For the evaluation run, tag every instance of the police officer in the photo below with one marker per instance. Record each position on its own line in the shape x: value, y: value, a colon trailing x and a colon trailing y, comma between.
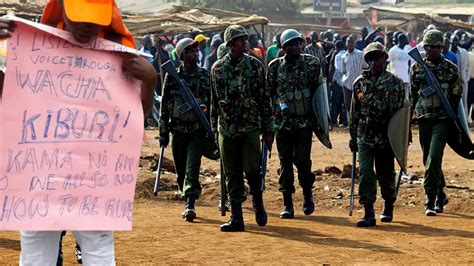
x: 293, y: 79
x: 378, y: 94
x: 188, y: 132
x: 432, y: 119
x: 241, y: 103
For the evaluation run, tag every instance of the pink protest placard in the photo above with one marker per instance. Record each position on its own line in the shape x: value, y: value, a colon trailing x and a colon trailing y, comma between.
x: 71, y: 132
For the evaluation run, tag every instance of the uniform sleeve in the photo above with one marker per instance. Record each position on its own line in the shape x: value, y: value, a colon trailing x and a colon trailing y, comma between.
x: 214, y: 110
x: 266, y: 110
x: 414, y: 88
x: 315, y: 74
x: 354, y: 116
x: 165, y: 102
x: 455, y: 90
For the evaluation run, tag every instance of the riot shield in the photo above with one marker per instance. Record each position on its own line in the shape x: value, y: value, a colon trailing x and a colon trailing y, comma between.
x: 398, y: 131
x: 461, y: 142
x: 321, y: 112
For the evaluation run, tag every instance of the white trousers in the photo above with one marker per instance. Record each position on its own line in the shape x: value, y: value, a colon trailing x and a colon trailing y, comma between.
x: 42, y: 247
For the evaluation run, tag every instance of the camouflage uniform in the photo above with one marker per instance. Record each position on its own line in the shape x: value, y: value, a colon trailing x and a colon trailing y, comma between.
x: 242, y: 110
x: 433, y: 120
x: 373, y: 106
x: 294, y: 85
x: 188, y: 133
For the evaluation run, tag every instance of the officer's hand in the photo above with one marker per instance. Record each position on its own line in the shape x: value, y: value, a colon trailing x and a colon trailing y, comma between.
x: 353, y: 145
x: 7, y: 27
x: 268, y: 139
x: 164, y: 139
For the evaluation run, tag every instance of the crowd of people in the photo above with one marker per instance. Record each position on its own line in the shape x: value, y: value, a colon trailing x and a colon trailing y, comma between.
x: 340, y: 57
x: 253, y: 95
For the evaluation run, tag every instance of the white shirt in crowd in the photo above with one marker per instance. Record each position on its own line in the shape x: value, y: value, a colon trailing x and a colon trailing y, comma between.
x: 352, y: 65
x: 400, y: 62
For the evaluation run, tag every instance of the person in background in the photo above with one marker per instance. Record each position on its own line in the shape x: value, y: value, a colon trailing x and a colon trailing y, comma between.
x: 147, y: 47
x: 338, y: 109
x: 202, y: 40
x: 272, y: 51
x: 463, y: 66
x: 360, y: 44
x: 315, y: 48
x: 400, y: 60
x: 352, y: 65
x: 212, y: 57
x: 253, y: 49
x: 448, y: 55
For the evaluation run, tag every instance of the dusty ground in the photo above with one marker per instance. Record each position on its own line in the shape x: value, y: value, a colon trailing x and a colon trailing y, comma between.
x: 329, y: 236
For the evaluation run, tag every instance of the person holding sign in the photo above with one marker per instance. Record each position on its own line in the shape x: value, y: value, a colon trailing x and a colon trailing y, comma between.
x: 189, y: 135
x: 85, y: 20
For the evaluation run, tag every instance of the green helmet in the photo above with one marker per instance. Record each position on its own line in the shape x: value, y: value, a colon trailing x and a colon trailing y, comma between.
x: 222, y: 50
x: 433, y: 37
x: 374, y: 47
x: 234, y: 31
x: 288, y: 35
x: 183, y: 44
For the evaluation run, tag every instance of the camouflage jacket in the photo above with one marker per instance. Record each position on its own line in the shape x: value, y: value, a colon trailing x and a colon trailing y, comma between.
x: 430, y: 107
x: 294, y: 84
x: 372, y: 107
x: 175, y: 119
x: 240, y: 99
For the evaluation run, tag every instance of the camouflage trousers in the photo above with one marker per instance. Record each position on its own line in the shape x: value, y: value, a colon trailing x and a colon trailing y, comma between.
x: 433, y: 138
x: 241, y: 154
x: 383, y: 161
x: 294, y: 147
x: 187, y: 152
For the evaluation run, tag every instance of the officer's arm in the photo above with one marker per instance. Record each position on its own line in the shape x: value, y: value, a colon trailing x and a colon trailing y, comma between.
x: 414, y: 88
x: 266, y: 103
x: 354, y: 113
x: 214, y: 100
x: 165, y: 101
x: 455, y: 88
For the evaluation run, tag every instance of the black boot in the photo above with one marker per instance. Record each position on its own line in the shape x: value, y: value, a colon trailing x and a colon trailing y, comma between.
x: 236, y: 222
x: 259, y: 209
x: 288, y: 211
x: 441, y: 200
x: 387, y: 213
x: 369, y: 217
x: 189, y: 213
x: 308, y: 202
x: 430, y: 205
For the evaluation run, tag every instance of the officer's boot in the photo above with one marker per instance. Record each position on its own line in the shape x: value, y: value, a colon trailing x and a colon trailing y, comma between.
x: 387, y: 213
x: 236, y: 222
x: 288, y: 211
x: 430, y: 205
x: 189, y: 213
x: 259, y: 209
x: 369, y: 217
x: 441, y: 200
x: 308, y: 201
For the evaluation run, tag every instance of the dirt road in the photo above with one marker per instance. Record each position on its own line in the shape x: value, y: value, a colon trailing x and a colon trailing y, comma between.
x: 329, y: 236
